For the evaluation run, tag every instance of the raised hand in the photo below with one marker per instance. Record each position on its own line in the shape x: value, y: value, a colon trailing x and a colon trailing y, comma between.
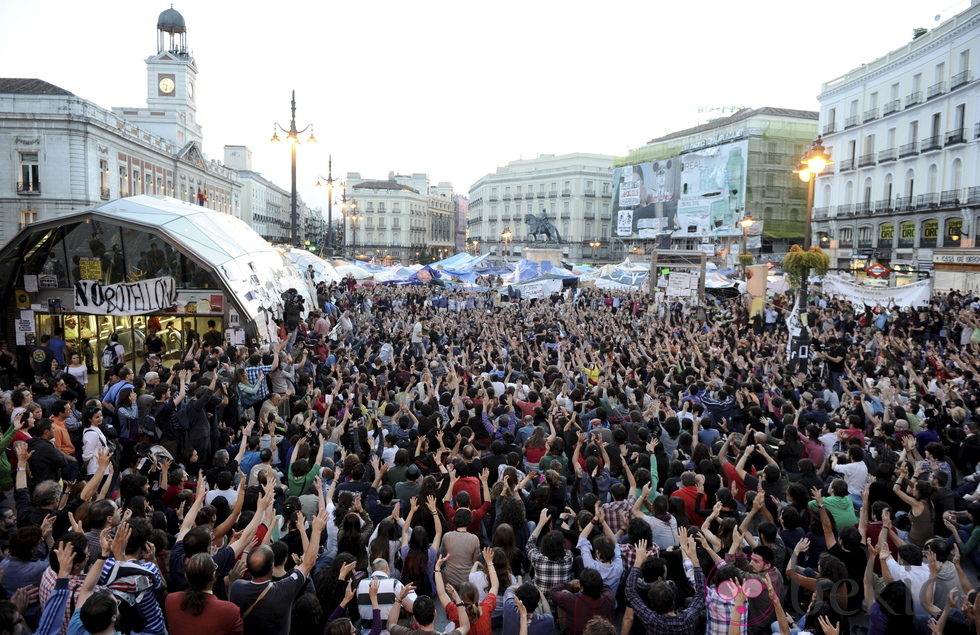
x: 488, y: 556
x: 66, y: 559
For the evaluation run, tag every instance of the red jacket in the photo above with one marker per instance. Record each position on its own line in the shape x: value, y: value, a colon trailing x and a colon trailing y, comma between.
x: 689, y: 494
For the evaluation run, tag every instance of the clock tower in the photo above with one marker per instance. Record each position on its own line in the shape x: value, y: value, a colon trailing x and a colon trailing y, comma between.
x: 171, y: 75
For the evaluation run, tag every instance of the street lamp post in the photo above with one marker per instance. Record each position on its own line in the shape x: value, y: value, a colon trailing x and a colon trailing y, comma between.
x: 354, y: 218
x: 328, y: 183
x: 812, y: 163
x: 595, y: 244
x: 505, y: 238
x: 746, y: 223
x: 292, y: 134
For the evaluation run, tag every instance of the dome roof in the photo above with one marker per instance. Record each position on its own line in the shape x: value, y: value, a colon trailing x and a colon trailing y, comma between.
x: 171, y: 21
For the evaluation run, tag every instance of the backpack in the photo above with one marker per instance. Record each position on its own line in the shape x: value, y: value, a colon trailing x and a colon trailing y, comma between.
x: 109, y: 355
x: 181, y: 422
x: 147, y: 426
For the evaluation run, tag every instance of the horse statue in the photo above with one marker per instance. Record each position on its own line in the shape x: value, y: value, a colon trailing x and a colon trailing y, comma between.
x: 541, y: 226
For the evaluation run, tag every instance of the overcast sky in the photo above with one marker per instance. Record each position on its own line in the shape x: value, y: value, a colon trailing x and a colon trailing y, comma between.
x: 456, y: 88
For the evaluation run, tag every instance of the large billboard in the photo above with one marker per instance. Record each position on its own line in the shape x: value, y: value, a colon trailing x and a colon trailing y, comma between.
x: 644, y: 201
x: 712, y: 190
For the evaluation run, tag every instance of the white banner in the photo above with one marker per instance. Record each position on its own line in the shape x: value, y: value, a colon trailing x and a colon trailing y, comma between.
x: 911, y: 295
x: 539, y: 289
x: 127, y: 298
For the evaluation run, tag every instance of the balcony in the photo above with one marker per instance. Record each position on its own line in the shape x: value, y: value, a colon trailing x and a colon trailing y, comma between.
x: 936, y: 90
x: 541, y: 194
x: 862, y: 209
x: 29, y: 189
x: 590, y: 193
x: 864, y: 243
x: 506, y: 197
x: 887, y: 155
x: 870, y: 115
x: 529, y: 196
x: 845, y: 211
x: 956, y: 136
x: 553, y: 194
x: 847, y: 164
x: 903, y: 203
x: 104, y: 193
x: 925, y: 201
x: 866, y: 159
x: 493, y: 199
x: 830, y: 128
x: 949, y: 198
x: 893, y: 106
x: 820, y: 213
x: 932, y: 143
x: 973, y: 195
x: 909, y: 149
x: 913, y: 99
x: 959, y: 79
x: 851, y: 121
x: 566, y: 193
x: 606, y: 194
x: 883, y: 207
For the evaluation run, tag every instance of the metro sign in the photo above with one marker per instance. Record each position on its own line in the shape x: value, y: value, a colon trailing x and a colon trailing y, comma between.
x: 877, y: 270
x: 770, y: 264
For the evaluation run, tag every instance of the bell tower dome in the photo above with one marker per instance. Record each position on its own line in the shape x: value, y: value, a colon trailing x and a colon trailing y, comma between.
x: 171, y: 33
x: 171, y: 75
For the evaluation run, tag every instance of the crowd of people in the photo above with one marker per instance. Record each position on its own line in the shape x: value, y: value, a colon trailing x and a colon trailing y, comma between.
x: 409, y: 460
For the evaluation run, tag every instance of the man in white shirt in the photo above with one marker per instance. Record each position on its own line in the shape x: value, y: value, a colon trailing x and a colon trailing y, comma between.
x: 388, y: 591
x: 855, y: 473
x: 911, y: 571
x: 417, y: 340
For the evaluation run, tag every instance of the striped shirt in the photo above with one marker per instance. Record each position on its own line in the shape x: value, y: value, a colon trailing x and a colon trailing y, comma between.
x: 388, y: 591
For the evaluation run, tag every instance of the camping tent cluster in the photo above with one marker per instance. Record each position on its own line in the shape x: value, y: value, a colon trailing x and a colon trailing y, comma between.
x: 527, y: 278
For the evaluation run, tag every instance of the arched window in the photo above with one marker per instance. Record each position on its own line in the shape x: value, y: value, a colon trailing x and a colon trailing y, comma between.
x: 933, y: 174
x: 956, y: 176
x: 846, y: 237
x: 864, y: 237
x: 886, y: 235
x: 909, y: 185
x: 953, y: 234
x: 906, y: 234
x: 930, y: 233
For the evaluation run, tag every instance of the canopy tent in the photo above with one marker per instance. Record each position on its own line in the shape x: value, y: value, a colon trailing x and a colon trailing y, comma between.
x: 354, y: 271
x: 526, y: 270
x: 140, y: 238
x: 323, y: 271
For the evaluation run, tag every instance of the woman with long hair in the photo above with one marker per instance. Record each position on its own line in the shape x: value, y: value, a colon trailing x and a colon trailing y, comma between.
x: 197, y: 610
x: 467, y: 597
x: 384, y: 544
x: 353, y: 534
x: 505, y: 539
x: 92, y: 438
x: 534, y: 450
x: 480, y: 578
x: 248, y: 393
x: 418, y: 556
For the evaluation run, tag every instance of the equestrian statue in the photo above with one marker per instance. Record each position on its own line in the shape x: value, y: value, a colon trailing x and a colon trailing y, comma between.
x: 540, y: 226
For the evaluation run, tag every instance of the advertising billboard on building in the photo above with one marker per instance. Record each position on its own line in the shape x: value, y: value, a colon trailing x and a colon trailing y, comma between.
x: 644, y: 201
x: 712, y: 190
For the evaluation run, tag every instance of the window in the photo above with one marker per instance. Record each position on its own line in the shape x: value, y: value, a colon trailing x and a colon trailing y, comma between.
x: 854, y: 108
x: 831, y: 117
x: 906, y: 234
x: 964, y: 61
x: 27, y: 217
x: 930, y: 233
x: 874, y: 101
x: 891, y: 139
x: 864, y: 236
x: 30, y: 174
x: 590, y: 186
x: 605, y: 189
x: 917, y: 82
x: 396, y: 207
x: 940, y: 71
x: 370, y: 206
x: 913, y: 132
x: 846, y: 237
x: 954, y: 232
x: 104, y: 177
x: 894, y: 91
x: 869, y: 144
x: 381, y: 206
x: 517, y: 189
x: 123, y: 182
x: 886, y: 234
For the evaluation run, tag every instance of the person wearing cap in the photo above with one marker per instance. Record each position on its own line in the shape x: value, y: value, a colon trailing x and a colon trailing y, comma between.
x: 406, y: 490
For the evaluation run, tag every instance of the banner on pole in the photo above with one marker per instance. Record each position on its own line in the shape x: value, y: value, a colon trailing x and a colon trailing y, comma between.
x: 127, y: 298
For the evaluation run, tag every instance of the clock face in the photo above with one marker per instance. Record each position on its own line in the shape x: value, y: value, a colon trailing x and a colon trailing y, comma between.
x: 190, y: 90
x: 166, y: 85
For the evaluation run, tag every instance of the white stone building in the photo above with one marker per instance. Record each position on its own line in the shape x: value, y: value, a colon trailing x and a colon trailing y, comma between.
x: 60, y: 152
x: 403, y: 217
x: 903, y: 134
x: 573, y: 191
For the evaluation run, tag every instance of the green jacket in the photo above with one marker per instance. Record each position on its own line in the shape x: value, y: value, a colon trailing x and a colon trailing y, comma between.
x: 6, y: 473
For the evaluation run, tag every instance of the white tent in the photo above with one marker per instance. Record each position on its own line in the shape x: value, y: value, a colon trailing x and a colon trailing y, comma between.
x: 323, y: 271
